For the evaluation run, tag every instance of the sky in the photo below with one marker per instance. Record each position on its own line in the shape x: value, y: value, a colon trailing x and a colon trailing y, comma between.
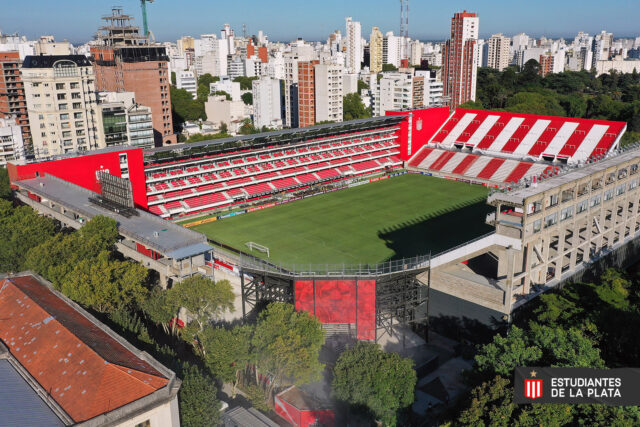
x: 286, y: 20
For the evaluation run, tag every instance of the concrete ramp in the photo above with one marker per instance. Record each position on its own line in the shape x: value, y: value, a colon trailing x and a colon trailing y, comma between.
x: 474, y: 248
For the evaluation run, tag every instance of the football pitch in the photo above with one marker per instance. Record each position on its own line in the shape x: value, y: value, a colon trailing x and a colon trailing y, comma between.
x: 399, y: 217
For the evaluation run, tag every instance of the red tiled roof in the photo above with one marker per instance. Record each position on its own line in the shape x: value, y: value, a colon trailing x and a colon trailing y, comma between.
x: 83, y: 368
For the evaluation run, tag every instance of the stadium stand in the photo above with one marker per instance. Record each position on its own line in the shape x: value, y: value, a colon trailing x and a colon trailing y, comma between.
x: 192, y: 185
x: 527, y: 136
x: 480, y: 167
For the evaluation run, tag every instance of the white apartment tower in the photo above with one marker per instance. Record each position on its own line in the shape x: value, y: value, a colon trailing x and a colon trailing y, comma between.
x: 266, y: 103
x: 61, y: 95
x: 328, y: 91
x: 498, y: 56
x: 354, y: 46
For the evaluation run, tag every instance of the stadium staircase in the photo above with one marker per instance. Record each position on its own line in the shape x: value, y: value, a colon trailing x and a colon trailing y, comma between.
x: 190, y: 186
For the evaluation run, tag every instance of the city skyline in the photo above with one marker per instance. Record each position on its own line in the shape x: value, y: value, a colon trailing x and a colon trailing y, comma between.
x: 286, y: 20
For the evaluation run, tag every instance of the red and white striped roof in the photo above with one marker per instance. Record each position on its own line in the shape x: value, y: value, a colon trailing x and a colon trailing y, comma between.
x: 529, y: 135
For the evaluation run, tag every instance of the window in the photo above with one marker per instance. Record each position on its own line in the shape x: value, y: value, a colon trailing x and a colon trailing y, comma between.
x: 66, y: 134
x: 62, y: 96
x: 64, y: 125
x: 78, y: 124
x: 537, y: 225
x: 77, y: 105
x: 581, y: 207
x: 35, y: 84
x: 43, y: 134
x: 80, y: 132
x: 144, y: 424
x: 62, y: 106
x: 74, y: 85
x: 551, y: 220
x: 75, y: 95
x: 620, y: 189
x: 633, y: 184
x: 81, y: 141
x: 67, y: 143
x: 608, y: 195
x: 41, y: 125
x: 41, y: 116
x: 566, y: 213
x: 77, y: 115
x: 553, y: 200
x: 595, y: 200
x: 36, y: 95
x: 64, y: 116
x: 59, y: 86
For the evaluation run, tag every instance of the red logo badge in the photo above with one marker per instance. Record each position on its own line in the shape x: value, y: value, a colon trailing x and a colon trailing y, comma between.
x: 532, y: 388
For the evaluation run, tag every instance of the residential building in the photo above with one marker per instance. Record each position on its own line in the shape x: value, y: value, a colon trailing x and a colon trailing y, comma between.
x: 186, y: 80
x: 307, y: 93
x: 354, y: 45
x: 122, y: 121
x: 433, y: 88
x: 71, y: 369
x: 392, y: 49
x: 60, y: 92
x: 126, y: 61
x: 394, y: 91
x: 226, y: 84
x: 498, y: 56
x: 375, y: 50
x: 460, y: 59
x: 12, y: 98
x: 220, y: 110
x: 415, y: 53
x: 11, y: 142
x: 329, y: 93
x: 617, y: 64
x: 47, y: 46
x: 267, y: 111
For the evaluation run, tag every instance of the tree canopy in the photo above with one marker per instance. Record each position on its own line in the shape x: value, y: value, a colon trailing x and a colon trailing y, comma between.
x: 247, y: 98
x: 198, y: 403
x: 246, y: 83
x: 353, y: 108
x: 382, y: 382
x: 184, y: 107
x: 286, y: 345
x: 5, y: 186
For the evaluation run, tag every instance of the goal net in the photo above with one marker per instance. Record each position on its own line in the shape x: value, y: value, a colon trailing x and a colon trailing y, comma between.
x: 258, y: 247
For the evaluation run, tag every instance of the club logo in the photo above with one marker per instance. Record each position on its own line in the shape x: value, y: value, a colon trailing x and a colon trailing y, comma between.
x: 419, y: 124
x: 533, y: 387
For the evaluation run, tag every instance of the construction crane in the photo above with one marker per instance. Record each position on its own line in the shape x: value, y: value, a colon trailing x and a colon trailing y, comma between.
x: 145, y: 26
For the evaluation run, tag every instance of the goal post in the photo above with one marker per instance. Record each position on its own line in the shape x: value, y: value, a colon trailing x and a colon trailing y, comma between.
x: 259, y: 247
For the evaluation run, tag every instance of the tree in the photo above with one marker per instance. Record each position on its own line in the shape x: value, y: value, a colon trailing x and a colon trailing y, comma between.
x: 247, y: 98
x: 389, y: 67
x: 224, y: 128
x: 247, y: 128
x: 382, y: 382
x: 5, y: 186
x: 206, y: 79
x: 286, y: 346
x: 353, y: 108
x: 105, y: 284
x: 203, y: 298
x: 362, y: 85
x: 184, y: 107
x: 21, y: 229
x: 227, y: 352
x: 222, y: 92
x: 199, y: 405
x: 173, y: 78
x: 246, y: 83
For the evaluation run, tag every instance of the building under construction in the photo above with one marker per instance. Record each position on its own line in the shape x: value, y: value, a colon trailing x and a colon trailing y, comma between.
x: 125, y: 60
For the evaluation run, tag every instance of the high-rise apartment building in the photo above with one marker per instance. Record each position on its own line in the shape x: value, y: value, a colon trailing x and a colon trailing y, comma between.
x: 125, y: 61
x: 186, y: 79
x: 329, y: 92
x: 460, y: 59
x: 498, y: 56
x: 11, y: 142
x: 392, y: 49
x: 267, y: 111
x: 375, y: 50
x: 394, y: 91
x: 307, y: 93
x: 61, y: 94
x: 13, y: 103
x: 354, y: 45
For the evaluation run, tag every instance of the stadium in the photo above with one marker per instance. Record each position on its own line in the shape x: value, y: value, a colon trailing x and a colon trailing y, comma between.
x: 344, y: 220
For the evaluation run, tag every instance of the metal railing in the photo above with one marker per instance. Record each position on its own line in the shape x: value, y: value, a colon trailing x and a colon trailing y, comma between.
x: 338, y: 270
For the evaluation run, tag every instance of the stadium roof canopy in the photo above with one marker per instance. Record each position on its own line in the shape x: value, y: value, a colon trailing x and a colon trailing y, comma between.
x: 165, y: 237
x: 285, y: 136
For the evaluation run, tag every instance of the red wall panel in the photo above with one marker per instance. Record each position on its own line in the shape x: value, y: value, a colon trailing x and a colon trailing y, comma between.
x: 287, y: 411
x: 82, y: 170
x: 304, y: 296
x: 366, y: 326
x: 424, y: 125
x: 336, y: 301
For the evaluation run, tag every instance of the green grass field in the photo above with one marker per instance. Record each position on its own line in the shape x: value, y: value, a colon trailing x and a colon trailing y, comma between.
x: 399, y: 217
